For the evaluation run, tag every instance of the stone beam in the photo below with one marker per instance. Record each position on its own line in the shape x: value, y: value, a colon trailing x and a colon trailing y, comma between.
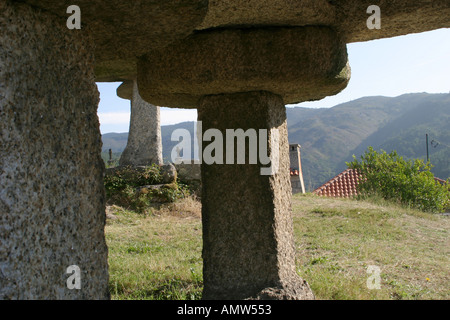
x: 52, y: 203
x: 348, y: 17
x: 144, y: 145
x: 125, y: 30
x: 397, y: 18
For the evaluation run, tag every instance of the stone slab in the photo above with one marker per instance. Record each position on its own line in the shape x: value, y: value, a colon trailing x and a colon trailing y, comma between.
x: 298, y: 64
x: 123, y: 30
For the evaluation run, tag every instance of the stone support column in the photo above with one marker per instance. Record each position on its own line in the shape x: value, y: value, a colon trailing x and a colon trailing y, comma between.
x: 297, y: 182
x: 52, y: 203
x: 248, y: 243
x: 242, y: 79
x: 144, y: 145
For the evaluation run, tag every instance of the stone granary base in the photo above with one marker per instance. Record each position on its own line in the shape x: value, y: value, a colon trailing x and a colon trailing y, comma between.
x: 238, y: 62
x: 52, y: 211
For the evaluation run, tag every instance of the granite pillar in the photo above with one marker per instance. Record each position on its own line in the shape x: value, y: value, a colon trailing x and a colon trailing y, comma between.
x: 52, y: 202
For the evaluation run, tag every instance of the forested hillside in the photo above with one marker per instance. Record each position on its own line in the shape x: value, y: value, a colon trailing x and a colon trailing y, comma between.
x: 330, y: 136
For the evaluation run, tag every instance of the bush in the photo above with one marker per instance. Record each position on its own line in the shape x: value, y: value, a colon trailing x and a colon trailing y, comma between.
x: 124, y: 186
x: 118, y: 179
x: 393, y: 178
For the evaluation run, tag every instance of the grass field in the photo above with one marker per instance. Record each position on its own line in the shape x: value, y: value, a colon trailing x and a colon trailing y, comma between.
x: 158, y: 256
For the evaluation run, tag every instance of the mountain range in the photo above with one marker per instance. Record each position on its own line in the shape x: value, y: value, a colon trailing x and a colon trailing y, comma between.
x: 331, y: 136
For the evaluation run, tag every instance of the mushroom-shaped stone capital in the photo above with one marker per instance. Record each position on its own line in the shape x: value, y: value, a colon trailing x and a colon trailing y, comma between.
x: 299, y: 64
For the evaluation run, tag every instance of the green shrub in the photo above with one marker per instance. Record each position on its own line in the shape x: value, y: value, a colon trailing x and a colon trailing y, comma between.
x: 166, y: 193
x: 123, y: 188
x: 393, y: 178
x: 128, y: 176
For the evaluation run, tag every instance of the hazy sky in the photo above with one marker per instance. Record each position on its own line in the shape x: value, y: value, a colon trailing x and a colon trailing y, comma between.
x: 387, y: 67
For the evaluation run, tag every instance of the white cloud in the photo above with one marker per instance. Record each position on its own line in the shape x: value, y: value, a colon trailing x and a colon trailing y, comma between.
x: 173, y: 116
x: 114, y: 117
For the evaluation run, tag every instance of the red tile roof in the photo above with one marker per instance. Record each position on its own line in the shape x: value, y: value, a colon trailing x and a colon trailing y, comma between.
x: 343, y: 185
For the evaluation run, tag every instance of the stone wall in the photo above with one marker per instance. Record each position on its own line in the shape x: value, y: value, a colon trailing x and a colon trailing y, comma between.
x: 52, y: 211
x: 191, y: 174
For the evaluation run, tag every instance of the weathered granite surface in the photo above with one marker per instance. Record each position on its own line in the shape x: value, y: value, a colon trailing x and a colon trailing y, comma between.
x: 144, y: 146
x: 299, y: 64
x: 52, y: 211
x: 248, y: 240
x: 348, y: 17
x: 124, y: 30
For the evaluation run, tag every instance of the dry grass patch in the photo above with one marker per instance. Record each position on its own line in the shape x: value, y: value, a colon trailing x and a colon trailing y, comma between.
x: 337, y: 239
x: 186, y: 207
